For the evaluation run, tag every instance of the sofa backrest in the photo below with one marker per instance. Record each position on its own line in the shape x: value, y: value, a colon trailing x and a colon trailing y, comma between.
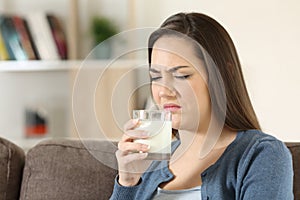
x: 12, y: 160
x: 68, y: 169
x: 295, y: 150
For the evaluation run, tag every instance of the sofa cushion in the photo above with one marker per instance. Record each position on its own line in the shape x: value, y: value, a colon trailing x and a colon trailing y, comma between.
x: 69, y: 169
x: 295, y: 150
x: 12, y: 160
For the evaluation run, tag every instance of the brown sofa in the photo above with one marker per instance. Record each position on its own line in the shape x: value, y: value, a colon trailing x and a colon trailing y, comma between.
x: 69, y: 169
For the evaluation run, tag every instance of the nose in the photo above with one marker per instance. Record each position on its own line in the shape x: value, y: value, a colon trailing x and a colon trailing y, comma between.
x: 166, y: 91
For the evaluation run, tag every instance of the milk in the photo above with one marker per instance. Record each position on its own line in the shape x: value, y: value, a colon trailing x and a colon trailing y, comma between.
x: 160, y: 137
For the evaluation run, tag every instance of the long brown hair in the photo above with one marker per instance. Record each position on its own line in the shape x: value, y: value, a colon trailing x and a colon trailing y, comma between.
x: 209, y: 34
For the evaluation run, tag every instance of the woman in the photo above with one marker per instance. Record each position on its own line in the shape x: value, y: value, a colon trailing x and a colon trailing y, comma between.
x: 220, y: 153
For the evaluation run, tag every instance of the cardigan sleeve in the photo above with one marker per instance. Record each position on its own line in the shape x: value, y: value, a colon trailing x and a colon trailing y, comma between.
x: 123, y: 192
x: 268, y: 174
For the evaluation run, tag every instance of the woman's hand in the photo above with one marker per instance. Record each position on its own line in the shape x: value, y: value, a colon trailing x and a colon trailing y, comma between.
x: 131, y: 155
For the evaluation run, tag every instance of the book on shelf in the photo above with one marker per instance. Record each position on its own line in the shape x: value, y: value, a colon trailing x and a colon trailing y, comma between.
x: 3, y: 51
x: 11, y: 39
x: 42, y: 35
x: 25, y: 37
x: 32, y: 37
x: 58, y: 35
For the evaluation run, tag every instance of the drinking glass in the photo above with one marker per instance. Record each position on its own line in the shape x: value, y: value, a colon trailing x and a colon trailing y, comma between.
x: 158, y: 123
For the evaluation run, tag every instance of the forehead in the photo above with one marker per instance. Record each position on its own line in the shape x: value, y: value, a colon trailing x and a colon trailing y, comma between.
x: 174, y: 51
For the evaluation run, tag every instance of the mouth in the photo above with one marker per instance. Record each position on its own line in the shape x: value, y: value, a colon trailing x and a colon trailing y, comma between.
x: 171, y: 107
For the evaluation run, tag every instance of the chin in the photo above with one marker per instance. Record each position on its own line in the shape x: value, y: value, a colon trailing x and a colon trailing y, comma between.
x: 175, y: 124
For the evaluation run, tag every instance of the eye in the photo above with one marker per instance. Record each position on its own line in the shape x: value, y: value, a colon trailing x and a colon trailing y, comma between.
x: 155, y: 78
x: 183, y: 77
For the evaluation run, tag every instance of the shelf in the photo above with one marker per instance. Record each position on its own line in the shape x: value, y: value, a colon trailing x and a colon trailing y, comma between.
x: 62, y: 65
x: 37, y: 65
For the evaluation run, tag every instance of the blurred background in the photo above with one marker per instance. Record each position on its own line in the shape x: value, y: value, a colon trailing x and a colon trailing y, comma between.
x: 266, y: 35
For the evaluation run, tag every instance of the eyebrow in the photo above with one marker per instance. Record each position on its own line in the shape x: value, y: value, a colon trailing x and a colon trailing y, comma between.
x: 173, y: 69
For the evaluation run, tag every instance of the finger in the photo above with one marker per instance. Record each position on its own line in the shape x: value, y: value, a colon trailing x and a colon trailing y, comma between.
x: 127, y: 147
x: 135, y: 134
x: 131, y: 124
x: 129, y: 158
x: 119, y: 154
x: 131, y: 135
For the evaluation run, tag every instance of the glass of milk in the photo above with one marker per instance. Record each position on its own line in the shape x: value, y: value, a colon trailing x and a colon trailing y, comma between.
x: 158, y: 123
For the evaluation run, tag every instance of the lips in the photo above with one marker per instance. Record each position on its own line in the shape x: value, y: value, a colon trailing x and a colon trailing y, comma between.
x: 172, y: 107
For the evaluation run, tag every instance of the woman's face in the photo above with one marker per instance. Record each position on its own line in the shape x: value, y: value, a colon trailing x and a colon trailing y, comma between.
x: 179, y: 83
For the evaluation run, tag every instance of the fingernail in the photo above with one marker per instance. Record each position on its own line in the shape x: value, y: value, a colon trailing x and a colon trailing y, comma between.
x: 145, y: 133
x: 135, y: 121
x: 146, y: 147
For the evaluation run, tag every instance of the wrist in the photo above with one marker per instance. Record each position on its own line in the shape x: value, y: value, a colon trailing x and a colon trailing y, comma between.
x: 129, y: 181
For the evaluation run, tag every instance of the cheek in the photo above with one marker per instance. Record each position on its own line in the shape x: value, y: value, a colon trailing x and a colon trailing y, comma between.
x: 187, y: 92
x: 195, y: 96
x: 154, y: 90
x: 203, y: 99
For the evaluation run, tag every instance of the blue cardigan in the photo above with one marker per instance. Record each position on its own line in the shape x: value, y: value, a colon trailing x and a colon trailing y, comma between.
x: 254, y: 166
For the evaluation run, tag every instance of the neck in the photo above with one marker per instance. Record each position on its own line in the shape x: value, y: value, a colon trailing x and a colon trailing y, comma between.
x: 202, y: 143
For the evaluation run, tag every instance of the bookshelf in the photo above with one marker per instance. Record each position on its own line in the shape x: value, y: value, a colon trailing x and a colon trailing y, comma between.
x: 46, y: 83
x: 49, y: 83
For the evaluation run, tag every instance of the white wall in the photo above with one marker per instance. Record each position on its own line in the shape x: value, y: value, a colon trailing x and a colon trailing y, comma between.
x: 266, y: 34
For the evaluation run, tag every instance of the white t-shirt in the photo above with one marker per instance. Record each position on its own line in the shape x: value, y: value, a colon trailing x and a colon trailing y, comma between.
x: 190, y: 194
